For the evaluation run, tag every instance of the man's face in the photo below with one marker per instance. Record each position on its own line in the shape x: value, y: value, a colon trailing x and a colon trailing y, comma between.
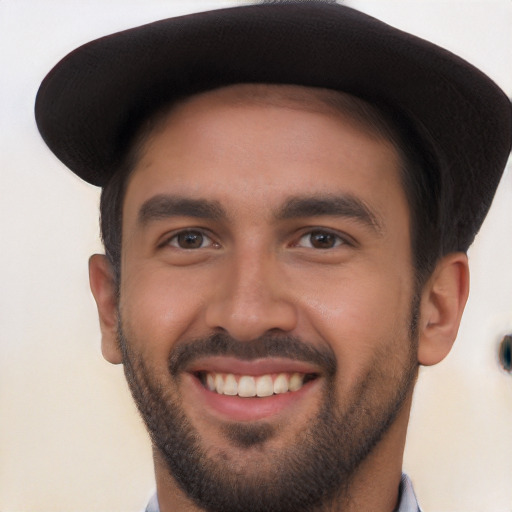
x: 266, y: 250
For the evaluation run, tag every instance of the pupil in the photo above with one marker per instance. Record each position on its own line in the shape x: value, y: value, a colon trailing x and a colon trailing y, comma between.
x: 322, y: 240
x: 190, y: 240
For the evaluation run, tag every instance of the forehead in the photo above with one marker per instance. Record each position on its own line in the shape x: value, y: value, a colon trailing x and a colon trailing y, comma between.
x: 361, y: 114
x: 275, y: 139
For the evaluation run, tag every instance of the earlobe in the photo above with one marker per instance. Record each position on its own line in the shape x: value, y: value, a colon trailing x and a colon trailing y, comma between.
x: 101, y: 279
x: 442, y: 303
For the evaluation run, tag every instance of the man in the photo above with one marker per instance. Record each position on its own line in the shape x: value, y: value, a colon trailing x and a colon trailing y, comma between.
x: 289, y: 192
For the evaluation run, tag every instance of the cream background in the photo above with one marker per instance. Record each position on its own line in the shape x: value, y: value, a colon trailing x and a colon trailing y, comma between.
x: 70, y: 439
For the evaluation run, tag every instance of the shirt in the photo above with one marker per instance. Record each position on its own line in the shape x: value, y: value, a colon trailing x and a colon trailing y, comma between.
x: 406, y: 496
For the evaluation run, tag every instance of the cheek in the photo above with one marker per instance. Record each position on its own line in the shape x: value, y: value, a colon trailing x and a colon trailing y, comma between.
x: 359, y: 315
x: 159, y: 308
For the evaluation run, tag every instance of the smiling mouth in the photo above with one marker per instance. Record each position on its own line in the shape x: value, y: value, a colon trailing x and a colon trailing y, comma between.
x: 249, y: 386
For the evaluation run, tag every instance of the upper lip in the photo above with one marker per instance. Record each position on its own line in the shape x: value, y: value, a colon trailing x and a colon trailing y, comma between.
x: 263, y: 366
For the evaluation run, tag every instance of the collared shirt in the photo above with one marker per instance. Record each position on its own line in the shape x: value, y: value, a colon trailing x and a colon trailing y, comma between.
x: 152, y: 505
x: 408, y: 501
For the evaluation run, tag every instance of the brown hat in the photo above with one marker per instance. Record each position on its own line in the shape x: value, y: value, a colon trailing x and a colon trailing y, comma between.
x: 91, y: 103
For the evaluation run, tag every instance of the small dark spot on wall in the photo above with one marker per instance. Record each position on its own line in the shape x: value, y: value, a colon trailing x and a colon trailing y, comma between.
x: 505, y: 353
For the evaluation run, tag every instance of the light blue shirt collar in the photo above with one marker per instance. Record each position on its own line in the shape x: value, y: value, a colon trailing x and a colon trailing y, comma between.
x: 408, y: 501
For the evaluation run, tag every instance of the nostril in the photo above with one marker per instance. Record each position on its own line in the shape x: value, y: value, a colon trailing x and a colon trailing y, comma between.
x: 250, y: 316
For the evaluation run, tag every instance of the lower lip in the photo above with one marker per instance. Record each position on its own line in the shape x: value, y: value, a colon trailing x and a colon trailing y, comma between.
x: 235, y: 408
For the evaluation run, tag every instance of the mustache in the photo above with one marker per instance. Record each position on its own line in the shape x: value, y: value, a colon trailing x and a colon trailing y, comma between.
x: 268, y: 345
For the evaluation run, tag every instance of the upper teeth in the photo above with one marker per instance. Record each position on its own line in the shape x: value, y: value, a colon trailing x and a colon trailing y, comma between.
x: 248, y: 386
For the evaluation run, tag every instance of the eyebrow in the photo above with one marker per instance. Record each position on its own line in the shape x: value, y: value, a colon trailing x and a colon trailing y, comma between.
x: 345, y: 205
x: 164, y: 206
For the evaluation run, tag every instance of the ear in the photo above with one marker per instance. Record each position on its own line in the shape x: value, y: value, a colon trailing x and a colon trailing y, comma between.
x: 101, y: 280
x: 442, y: 303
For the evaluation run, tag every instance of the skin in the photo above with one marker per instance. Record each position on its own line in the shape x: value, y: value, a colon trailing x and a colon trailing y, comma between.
x: 258, y: 273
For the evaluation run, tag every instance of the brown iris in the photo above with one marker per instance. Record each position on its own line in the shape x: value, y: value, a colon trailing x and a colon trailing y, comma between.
x: 190, y: 239
x: 322, y: 240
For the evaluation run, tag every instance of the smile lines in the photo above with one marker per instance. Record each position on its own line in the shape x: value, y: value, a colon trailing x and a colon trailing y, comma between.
x: 248, y: 386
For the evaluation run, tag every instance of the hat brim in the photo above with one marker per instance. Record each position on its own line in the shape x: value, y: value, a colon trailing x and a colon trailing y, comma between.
x: 90, y: 104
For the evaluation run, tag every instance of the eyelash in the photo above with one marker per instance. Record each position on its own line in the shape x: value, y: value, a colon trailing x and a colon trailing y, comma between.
x: 339, y: 240
x: 173, y: 240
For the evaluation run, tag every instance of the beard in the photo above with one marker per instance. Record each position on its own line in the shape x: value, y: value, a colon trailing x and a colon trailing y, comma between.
x: 316, y: 468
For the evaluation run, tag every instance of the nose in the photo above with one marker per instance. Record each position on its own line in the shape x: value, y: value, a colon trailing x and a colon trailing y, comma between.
x: 251, y: 299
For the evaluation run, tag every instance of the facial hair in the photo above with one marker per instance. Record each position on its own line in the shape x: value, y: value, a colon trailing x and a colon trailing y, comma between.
x: 314, y: 471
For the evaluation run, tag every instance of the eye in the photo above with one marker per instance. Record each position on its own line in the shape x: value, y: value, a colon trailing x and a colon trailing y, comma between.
x: 319, y: 239
x: 191, y: 239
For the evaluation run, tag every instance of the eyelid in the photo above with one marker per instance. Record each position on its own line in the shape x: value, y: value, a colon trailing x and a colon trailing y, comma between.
x: 173, y: 235
x: 342, y: 238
